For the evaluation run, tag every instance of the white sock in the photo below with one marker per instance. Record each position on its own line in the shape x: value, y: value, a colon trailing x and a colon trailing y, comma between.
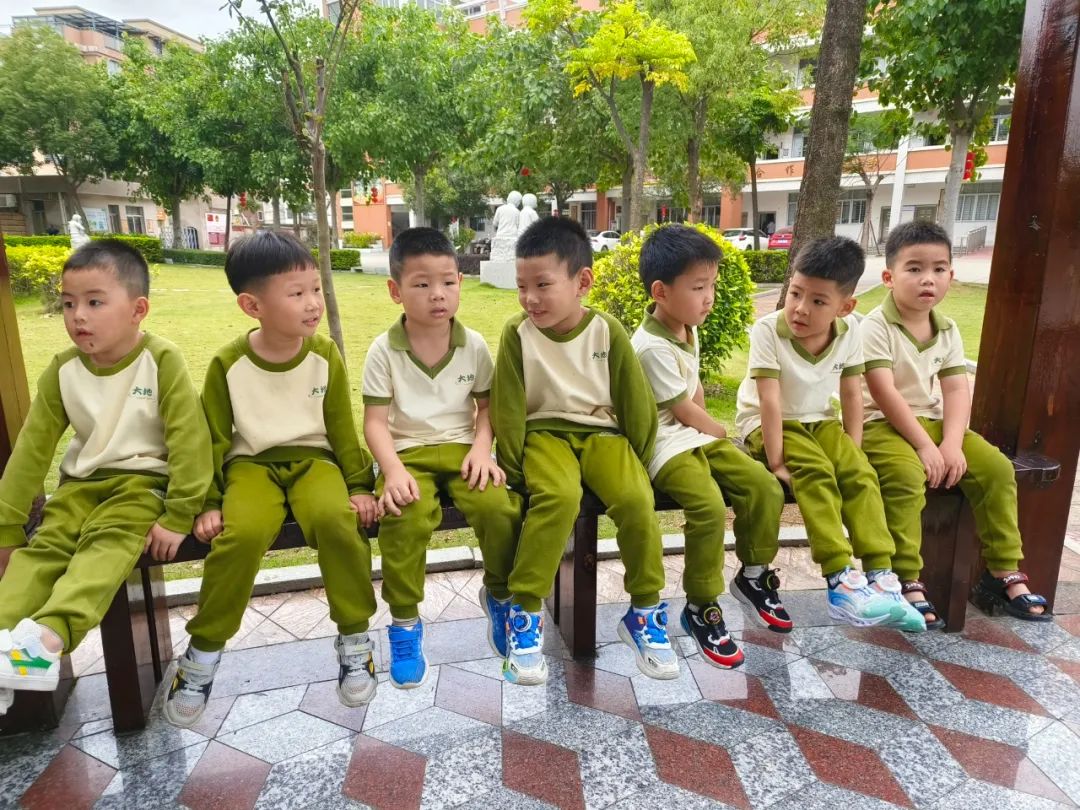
x: 203, y: 657
x: 406, y: 622
x: 649, y: 609
x: 753, y: 571
x: 354, y: 638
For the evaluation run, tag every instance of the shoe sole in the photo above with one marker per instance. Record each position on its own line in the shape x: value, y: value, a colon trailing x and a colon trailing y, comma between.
x: 24, y: 683
x: 707, y: 657
x: 357, y: 702
x: 742, y: 598
x: 418, y: 684
x: 857, y: 621
x: 183, y: 722
x: 491, y: 622
x: 628, y: 640
x: 527, y: 679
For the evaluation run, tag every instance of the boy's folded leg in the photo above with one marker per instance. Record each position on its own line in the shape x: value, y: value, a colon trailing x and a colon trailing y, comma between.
x: 25, y: 661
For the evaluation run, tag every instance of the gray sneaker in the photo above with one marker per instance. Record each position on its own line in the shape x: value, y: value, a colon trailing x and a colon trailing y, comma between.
x: 190, y: 691
x: 356, y: 674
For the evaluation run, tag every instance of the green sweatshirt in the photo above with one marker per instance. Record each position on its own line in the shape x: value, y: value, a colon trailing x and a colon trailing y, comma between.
x: 140, y: 415
x: 260, y: 411
x: 585, y: 381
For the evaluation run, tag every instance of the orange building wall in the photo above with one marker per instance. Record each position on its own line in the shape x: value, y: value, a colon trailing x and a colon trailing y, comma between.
x: 374, y: 218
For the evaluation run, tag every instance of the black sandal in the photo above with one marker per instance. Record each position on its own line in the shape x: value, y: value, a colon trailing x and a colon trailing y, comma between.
x: 924, y: 606
x: 990, y: 597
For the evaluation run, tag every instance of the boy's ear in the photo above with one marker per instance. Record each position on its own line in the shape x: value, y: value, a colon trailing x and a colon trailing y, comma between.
x: 658, y: 290
x: 248, y: 304
x: 887, y: 277
x: 847, y: 307
x: 584, y: 281
x: 142, y: 309
x: 395, y: 290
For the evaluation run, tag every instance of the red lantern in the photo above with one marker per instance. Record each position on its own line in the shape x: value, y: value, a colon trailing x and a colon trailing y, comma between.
x: 374, y: 194
x: 525, y: 171
x: 243, y: 199
x: 969, y: 166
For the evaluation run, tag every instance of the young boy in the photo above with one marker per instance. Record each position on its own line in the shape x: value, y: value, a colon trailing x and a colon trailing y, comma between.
x: 426, y: 386
x: 915, y: 437
x: 132, y: 480
x: 799, y: 356
x: 283, y: 436
x: 693, y: 461
x: 571, y: 406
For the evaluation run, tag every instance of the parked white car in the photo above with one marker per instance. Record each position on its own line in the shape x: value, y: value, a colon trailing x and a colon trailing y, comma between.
x: 603, y: 241
x: 743, y: 238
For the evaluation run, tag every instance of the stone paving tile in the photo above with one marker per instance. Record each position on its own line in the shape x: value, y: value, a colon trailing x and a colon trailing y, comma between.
x: 152, y: 783
x: 464, y: 772
x: 284, y: 737
x: 1057, y: 752
x: 617, y: 767
x: 302, y: 780
x: 127, y: 751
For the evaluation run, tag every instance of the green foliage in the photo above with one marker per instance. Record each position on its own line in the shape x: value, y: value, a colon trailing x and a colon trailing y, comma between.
x: 36, y: 271
x: 59, y: 240
x: 451, y: 189
x: 463, y: 238
x: 360, y: 240
x: 766, y: 266
x: 149, y: 246
x: 618, y: 290
x: 341, y: 260
x: 215, y: 258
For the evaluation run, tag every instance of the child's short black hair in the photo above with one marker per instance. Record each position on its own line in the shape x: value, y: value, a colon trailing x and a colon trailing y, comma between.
x: 418, y: 242
x: 254, y: 258
x: 835, y: 258
x: 671, y: 250
x: 915, y: 233
x: 120, y: 257
x: 559, y: 235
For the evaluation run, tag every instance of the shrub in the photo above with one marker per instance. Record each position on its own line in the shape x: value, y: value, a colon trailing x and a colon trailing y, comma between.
x: 462, y: 239
x: 618, y: 291
x: 149, y: 246
x: 60, y: 240
x: 37, y: 270
x: 767, y: 266
x: 340, y: 260
x: 360, y: 240
x: 469, y: 263
x: 215, y: 258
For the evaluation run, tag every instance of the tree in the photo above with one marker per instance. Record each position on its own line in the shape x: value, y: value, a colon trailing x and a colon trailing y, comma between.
x: 838, y: 64
x: 56, y: 109
x: 453, y: 191
x: 626, y: 45
x: 871, y: 154
x: 955, y: 57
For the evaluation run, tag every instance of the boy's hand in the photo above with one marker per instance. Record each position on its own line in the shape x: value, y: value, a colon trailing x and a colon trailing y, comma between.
x: 399, y: 489
x: 162, y: 543
x: 208, y: 525
x: 783, y: 474
x: 955, y: 463
x: 5, y: 556
x: 933, y: 463
x: 478, y: 467
x: 367, y: 507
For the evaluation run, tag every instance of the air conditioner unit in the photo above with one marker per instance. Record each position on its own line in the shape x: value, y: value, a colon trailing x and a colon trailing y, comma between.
x: 9, y: 201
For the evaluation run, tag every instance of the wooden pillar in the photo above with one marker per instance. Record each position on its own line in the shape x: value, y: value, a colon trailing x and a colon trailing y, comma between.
x: 1027, y: 390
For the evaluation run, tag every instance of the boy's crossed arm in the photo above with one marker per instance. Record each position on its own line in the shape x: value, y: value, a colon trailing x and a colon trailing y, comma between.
x: 692, y: 413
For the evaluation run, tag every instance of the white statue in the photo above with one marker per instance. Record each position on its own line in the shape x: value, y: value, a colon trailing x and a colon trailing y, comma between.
x: 507, y: 216
x: 528, y: 213
x: 78, y: 232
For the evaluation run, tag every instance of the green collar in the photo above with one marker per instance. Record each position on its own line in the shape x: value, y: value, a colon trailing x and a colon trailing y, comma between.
x: 938, y: 323
x: 119, y: 365
x: 839, y: 327
x: 399, y: 341
x: 583, y: 324
x: 654, y: 326
x: 266, y: 365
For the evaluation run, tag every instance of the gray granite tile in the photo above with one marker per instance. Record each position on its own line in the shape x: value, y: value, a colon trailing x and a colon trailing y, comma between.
x: 521, y: 702
x: 930, y: 642
x: 662, y: 796
x: 821, y: 796
x: 714, y: 723
x: 809, y: 608
x: 462, y: 640
x: 393, y: 704
x: 93, y: 727
x: 1042, y: 636
x: 261, y: 669
x: 284, y: 737
x: 488, y: 667
x: 984, y: 657
x: 464, y: 772
x: 810, y: 640
x: 844, y: 719
x: 607, y: 621
x: 617, y: 767
x: 1055, y: 691
x: 974, y: 793
x: 799, y: 680
x: 314, y: 776
x: 572, y: 726
x: 924, y: 689
x: 866, y: 657
x: 617, y: 658
x: 339, y: 802
x: 1070, y: 651
x: 922, y: 765
x: 771, y: 767
x: 428, y: 732
x: 1057, y: 752
x: 761, y: 660
x: 676, y: 692
x: 247, y: 710
x: 89, y: 700
x: 503, y: 797
x: 153, y: 783
x: 128, y: 750
x: 22, y: 760
x: 992, y: 722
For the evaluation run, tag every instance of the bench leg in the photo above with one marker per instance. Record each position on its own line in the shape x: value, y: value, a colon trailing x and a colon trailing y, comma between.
x: 137, y: 647
x: 948, y: 548
x: 39, y: 711
x: 574, y: 603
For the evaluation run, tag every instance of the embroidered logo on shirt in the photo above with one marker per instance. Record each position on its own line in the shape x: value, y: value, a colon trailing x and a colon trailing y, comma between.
x: 142, y: 393
x: 599, y: 355
x: 838, y: 367
x: 318, y: 391
x: 938, y: 361
x: 466, y: 378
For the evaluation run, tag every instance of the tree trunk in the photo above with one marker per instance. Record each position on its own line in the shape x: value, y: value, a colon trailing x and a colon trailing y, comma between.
x: 420, y: 196
x: 318, y: 176
x: 627, y: 195
x: 754, y: 202
x: 641, y: 154
x: 693, y: 178
x: 961, y: 141
x: 335, y: 228
x: 275, y: 204
x: 73, y: 193
x: 838, y: 64
x: 228, y: 219
x: 177, y: 227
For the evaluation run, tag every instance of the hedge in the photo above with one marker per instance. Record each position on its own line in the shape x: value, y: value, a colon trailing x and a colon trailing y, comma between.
x: 469, y: 263
x: 767, y: 266
x: 36, y: 270
x: 149, y: 246
x: 360, y: 240
x: 60, y: 240
x: 215, y: 258
x: 344, y: 259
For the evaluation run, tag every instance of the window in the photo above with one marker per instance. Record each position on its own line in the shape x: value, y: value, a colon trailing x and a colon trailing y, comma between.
x: 473, y: 11
x: 135, y: 221
x: 478, y: 224
x: 792, y: 206
x: 588, y: 215
x: 770, y: 152
x: 710, y: 214
x: 346, y: 193
x: 805, y: 75
x: 113, y: 67
x: 852, y: 208
x: 667, y: 213
x: 1000, y: 127
x: 346, y: 212
x: 800, y: 142
x: 979, y: 202
x: 114, y: 219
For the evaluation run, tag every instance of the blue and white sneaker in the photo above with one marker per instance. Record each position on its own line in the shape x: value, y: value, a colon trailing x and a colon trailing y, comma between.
x: 408, y: 664
x: 524, y: 663
x: 888, y: 585
x: 644, y: 630
x: 497, y: 613
x: 855, y: 602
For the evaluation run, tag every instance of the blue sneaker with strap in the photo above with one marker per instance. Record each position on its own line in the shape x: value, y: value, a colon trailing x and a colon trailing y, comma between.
x: 524, y: 663
x: 644, y: 630
x: 497, y: 613
x: 408, y: 665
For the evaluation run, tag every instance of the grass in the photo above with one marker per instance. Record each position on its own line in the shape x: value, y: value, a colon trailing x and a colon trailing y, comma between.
x: 965, y: 304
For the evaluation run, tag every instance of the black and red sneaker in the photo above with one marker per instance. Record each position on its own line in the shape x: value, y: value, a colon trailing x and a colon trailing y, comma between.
x: 760, y: 593
x: 706, y: 627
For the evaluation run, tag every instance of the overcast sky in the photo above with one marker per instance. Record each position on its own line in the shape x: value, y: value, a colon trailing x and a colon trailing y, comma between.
x: 192, y: 17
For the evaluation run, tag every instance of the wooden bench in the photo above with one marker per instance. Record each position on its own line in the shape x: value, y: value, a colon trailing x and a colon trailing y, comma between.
x: 137, y: 643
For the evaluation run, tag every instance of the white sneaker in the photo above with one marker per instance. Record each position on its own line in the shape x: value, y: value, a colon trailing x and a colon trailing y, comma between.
x: 190, y: 690
x: 855, y: 602
x: 356, y: 674
x: 909, y: 619
x: 7, y: 697
x: 24, y: 661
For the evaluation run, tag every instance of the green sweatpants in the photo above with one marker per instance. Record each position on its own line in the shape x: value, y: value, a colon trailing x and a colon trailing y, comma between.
x: 835, y: 486
x: 494, y: 514
x: 555, y: 466
x: 989, y: 486
x: 700, y: 480
x: 253, y: 509
x: 91, y: 536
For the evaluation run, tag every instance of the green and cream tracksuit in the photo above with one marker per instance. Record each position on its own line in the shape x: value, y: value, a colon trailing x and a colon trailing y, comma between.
x: 699, y: 471
x: 989, y: 483
x: 283, y: 438
x: 831, y: 479
x: 432, y: 420
x: 140, y: 455
x: 569, y: 410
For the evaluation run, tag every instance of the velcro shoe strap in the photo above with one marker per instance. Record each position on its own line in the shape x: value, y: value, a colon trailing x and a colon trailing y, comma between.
x: 1013, y: 578
x: 913, y: 585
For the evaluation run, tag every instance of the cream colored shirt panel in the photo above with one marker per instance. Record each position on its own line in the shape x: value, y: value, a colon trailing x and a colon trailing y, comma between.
x: 116, y: 419
x: 570, y: 379
x: 278, y: 408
